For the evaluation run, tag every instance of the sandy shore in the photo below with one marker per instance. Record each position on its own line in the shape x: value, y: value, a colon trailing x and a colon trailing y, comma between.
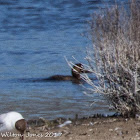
x: 104, y: 128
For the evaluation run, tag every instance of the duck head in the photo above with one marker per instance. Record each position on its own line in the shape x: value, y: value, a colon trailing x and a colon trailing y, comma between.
x: 77, y: 69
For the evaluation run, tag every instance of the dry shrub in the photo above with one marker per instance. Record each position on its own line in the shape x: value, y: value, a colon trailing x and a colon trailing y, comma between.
x: 115, y: 57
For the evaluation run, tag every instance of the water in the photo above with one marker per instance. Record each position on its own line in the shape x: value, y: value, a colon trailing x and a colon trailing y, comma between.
x: 35, y: 35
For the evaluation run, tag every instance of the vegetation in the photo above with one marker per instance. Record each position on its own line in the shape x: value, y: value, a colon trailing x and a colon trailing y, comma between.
x: 115, y: 57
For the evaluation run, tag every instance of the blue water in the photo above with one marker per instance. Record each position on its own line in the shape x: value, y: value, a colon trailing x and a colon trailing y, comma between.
x: 35, y: 35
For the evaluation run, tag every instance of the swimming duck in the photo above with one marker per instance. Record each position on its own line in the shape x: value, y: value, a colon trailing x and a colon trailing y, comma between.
x: 75, y: 71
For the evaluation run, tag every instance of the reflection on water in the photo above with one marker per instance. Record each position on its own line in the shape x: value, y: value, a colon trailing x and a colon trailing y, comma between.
x: 35, y: 36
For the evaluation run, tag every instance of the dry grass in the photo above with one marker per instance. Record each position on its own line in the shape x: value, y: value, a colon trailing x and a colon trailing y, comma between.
x: 115, y: 57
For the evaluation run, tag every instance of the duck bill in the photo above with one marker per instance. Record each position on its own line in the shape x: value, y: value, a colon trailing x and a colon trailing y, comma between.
x: 86, y: 71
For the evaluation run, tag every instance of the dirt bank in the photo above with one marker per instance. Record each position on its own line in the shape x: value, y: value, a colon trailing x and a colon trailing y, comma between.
x: 102, y: 128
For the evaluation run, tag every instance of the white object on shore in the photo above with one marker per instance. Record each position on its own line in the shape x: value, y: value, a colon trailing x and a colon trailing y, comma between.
x: 65, y: 123
x: 12, y: 124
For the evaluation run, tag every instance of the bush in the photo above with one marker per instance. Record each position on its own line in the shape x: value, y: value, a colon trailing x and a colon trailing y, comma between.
x: 115, y: 57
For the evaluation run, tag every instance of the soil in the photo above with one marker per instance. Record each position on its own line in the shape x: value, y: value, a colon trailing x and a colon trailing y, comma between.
x: 92, y: 128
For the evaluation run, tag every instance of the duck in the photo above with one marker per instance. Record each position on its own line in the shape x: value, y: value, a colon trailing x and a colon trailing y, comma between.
x: 76, y: 70
x: 12, y: 124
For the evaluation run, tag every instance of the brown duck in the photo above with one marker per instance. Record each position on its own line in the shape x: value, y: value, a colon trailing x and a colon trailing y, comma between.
x: 75, y: 77
x: 75, y: 71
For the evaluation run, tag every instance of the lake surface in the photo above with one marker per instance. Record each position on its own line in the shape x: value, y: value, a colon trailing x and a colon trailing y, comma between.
x: 35, y: 35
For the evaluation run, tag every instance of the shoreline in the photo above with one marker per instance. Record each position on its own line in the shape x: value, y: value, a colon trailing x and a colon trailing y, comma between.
x: 91, y: 128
